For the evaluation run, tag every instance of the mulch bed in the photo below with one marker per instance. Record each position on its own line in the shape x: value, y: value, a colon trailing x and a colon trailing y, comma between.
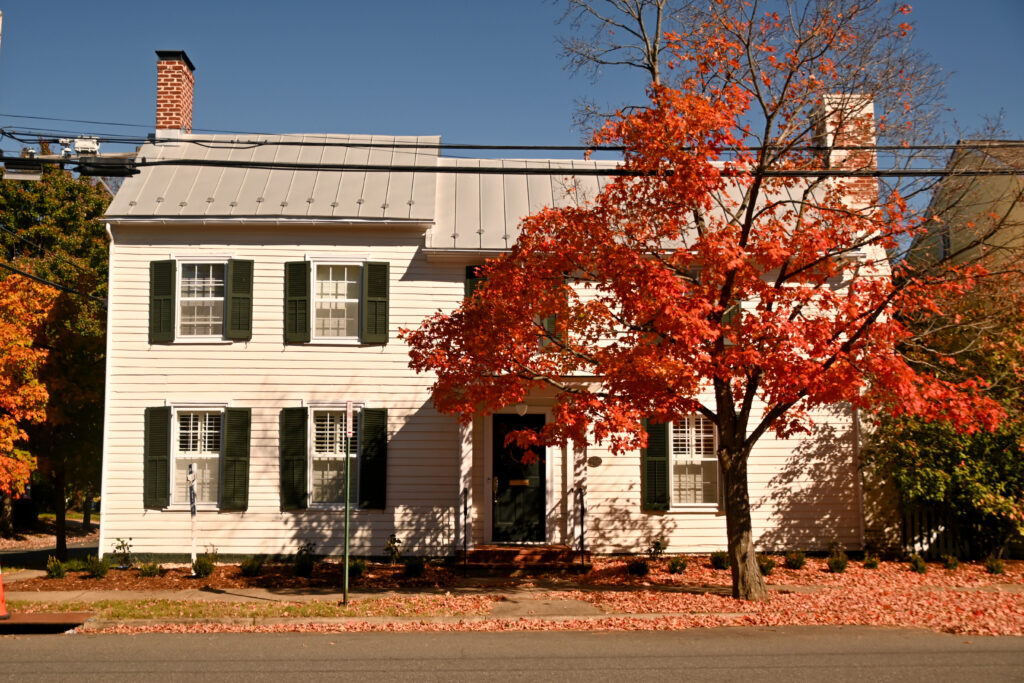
x: 41, y: 536
x: 327, y: 577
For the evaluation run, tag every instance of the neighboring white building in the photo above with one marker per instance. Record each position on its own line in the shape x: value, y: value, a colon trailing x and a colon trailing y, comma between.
x: 249, y: 306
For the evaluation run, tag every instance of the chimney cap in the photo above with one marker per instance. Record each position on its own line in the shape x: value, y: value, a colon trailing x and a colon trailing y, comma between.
x: 175, y: 56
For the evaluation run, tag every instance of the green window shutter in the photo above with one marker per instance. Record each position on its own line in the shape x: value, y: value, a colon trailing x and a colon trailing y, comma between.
x: 296, y: 301
x: 473, y: 280
x: 162, y: 276
x: 374, y: 306
x: 234, y: 459
x: 239, y: 300
x: 156, y: 458
x: 654, y: 477
x: 373, y: 458
x: 294, y: 457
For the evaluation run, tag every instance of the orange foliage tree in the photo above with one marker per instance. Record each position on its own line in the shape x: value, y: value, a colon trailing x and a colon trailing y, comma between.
x: 736, y: 270
x: 24, y: 305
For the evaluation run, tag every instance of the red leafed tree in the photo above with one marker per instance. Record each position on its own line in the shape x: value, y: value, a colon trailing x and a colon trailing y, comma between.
x: 739, y: 273
x: 24, y: 306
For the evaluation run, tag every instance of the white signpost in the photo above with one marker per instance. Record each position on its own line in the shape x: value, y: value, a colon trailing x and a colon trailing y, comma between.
x: 190, y: 479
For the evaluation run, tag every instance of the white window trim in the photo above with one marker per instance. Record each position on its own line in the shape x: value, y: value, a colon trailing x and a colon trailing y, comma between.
x: 360, y: 261
x: 189, y: 407
x: 703, y: 507
x: 329, y: 406
x: 180, y: 338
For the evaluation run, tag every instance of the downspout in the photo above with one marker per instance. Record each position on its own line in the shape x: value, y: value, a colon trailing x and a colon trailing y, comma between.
x: 857, y: 475
x: 104, y: 456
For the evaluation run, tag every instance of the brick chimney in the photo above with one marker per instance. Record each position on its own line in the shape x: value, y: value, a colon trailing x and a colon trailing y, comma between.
x: 174, y: 85
x: 844, y: 120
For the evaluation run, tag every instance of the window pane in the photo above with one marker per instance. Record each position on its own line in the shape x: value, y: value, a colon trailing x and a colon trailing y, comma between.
x: 202, y: 318
x: 199, y: 433
x: 207, y: 473
x: 329, y: 480
x: 329, y: 432
x: 336, y: 319
x: 709, y: 475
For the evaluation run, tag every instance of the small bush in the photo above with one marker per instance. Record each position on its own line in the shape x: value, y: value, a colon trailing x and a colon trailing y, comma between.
x: 96, y: 567
x: 720, y: 559
x: 55, y: 568
x: 203, y: 566
x: 638, y: 567
x: 837, y: 560
x: 656, y: 549
x: 304, y: 560
x: 917, y: 564
x: 950, y: 562
x: 393, y: 546
x: 993, y: 565
x: 677, y: 564
x: 122, y: 554
x: 766, y: 564
x: 870, y: 561
x: 76, y: 565
x: 414, y: 567
x: 149, y: 570
x: 251, y: 566
x: 795, y: 559
x: 356, y: 568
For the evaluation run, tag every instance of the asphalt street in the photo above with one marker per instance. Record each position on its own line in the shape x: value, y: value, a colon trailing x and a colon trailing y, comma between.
x: 831, y: 654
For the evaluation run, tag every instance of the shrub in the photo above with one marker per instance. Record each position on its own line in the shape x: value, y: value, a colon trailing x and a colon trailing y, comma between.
x: 720, y: 559
x: 950, y: 562
x: 76, y: 565
x: 993, y: 565
x: 55, y: 568
x: 638, y: 567
x: 122, y: 553
x: 677, y: 564
x: 795, y: 559
x: 356, y: 568
x: 304, y: 560
x: 414, y: 567
x: 393, y: 546
x: 203, y: 566
x: 149, y: 570
x: 766, y: 563
x: 837, y: 560
x: 96, y: 567
x: 656, y: 549
x: 251, y: 566
x: 917, y: 564
x: 870, y: 561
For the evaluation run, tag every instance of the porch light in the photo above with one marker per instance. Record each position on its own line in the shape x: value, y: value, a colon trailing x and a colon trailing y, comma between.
x: 521, y: 409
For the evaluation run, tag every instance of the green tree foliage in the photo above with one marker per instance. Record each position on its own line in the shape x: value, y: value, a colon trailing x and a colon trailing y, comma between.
x: 55, y: 225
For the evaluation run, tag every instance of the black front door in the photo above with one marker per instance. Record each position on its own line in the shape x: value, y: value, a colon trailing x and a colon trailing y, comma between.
x: 518, y: 487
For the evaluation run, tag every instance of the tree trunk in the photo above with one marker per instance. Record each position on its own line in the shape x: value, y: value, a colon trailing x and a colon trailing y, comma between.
x: 60, y: 509
x: 747, y: 582
x: 6, y: 516
x: 87, y: 511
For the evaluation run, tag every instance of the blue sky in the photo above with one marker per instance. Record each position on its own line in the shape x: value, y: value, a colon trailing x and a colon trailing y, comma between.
x: 476, y: 71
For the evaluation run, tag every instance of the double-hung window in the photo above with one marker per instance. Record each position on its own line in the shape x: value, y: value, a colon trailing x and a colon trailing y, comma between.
x: 200, y: 300
x: 679, y: 466
x: 198, y: 442
x: 694, y: 462
x: 336, y: 292
x: 336, y: 301
x: 333, y: 451
x: 213, y: 438
x: 316, y: 450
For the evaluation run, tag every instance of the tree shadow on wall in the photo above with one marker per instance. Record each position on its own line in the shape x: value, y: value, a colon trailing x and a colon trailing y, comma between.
x: 813, y: 500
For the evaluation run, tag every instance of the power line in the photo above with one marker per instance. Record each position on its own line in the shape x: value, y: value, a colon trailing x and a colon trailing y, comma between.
x: 112, y: 166
x: 44, y: 250
x: 55, y: 285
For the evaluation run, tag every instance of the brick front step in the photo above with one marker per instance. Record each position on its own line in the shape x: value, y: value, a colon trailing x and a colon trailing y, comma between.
x: 534, y: 557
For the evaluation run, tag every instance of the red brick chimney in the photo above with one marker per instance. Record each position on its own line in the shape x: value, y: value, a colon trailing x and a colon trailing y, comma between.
x: 849, y: 121
x: 174, y: 85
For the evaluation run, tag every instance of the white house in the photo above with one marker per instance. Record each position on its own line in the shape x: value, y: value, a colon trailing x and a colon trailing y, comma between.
x: 251, y: 304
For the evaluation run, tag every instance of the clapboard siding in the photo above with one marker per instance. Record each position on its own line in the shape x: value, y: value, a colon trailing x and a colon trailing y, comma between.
x: 804, y: 490
x: 266, y: 375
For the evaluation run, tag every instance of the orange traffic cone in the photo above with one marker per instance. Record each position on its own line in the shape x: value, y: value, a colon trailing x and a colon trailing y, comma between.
x: 4, y: 614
